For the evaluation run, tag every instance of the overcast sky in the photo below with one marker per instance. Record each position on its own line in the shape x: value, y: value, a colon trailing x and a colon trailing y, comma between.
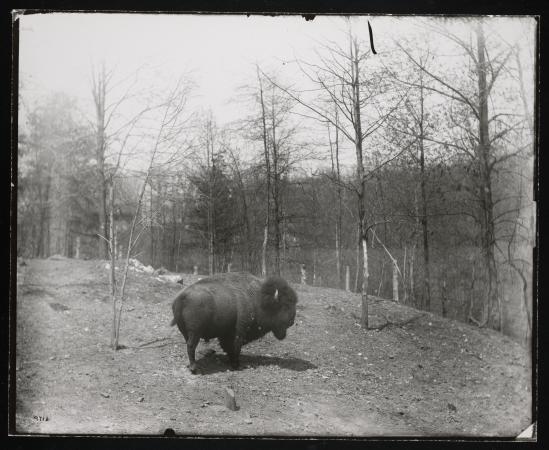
x: 219, y: 51
x: 56, y: 50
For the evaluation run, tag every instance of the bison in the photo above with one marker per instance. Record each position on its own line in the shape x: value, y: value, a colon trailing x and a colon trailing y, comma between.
x: 236, y: 308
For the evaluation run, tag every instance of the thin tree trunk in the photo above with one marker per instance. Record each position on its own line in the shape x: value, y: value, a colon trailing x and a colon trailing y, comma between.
x: 381, y: 277
x: 264, y: 249
x: 99, y: 90
x: 395, y: 281
x: 245, y: 230
x: 43, y: 236
x: 404, y: 280
x: 483, y: 153
x: 68, y: 240
x: 77, y: 250
x: 174, y: 240
x: 103, y: 225
x: 382, y: 201
x: 314, y: 267
x: 37, y: 227
x: 163, y: 230
x: 47, y: 234
x: 424, y: 224
x: 361, y: 181
x: 337, y: 177
x: 516, y: 267
x: 247, y: 233
x: 338, y: 255
x: 284, y: 238
x: 396, y: 270
x: 41, y: 245
x: 530, y: 120
x: 364, y: 297
x: 276, y: 194
x: 443, y: 299
x: 247, y: 240
x: 151, y: 227
x: 268, y: 180
x: 178, y: 252
x: 211, y: 201
x: 339, y: 208
x: 112, y: 250
x: 411, y: 274
x: 358, y: 250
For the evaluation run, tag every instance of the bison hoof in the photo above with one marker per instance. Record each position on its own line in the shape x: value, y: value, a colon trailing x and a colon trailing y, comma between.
x: 193, y: 369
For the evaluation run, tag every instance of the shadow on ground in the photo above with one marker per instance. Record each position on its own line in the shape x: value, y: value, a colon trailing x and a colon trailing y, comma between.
x: 216, y: 362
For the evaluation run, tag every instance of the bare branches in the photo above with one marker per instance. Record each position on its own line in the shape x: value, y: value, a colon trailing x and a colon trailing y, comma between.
x: 173, y: 108
x: 384, y: 163
x: 323, y: 115
x: 457, y: 94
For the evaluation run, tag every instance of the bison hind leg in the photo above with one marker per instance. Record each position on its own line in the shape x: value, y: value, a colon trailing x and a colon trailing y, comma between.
x: 183, y: 331
x: 192, y: 342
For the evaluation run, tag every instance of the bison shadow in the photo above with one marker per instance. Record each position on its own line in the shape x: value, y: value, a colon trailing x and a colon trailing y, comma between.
x: 219, y: 362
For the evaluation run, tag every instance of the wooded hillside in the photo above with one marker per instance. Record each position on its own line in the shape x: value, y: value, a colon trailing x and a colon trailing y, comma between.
x: 404, y: 173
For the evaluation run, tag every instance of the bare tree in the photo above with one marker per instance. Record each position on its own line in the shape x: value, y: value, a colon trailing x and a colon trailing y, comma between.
x: 247, y: 231
x: 341, y: 76
x: 520, y: 267
x: 491, y: 129
x: 170, y: 125
x: 267, y: 177
x: 210, y: 132
x: 415, y: 127
x: 100, y: 81
x: 336, y: 176
x: 276, y: 182
x: 279, y: 154
x: 107, y: 107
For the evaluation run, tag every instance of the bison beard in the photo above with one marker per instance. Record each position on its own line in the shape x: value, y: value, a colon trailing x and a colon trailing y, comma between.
x: 236, y: 308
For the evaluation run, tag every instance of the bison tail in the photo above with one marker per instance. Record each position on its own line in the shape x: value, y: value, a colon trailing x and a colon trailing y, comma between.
x: 177, y: 306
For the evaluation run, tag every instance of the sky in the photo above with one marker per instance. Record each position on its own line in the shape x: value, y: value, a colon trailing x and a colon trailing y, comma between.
x: 219, y: 52
x: 57, y: 50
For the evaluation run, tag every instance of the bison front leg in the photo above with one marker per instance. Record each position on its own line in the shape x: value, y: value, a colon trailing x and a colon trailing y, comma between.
x: 192, y: 342
x: 228, y: 344
x: 234, y: 357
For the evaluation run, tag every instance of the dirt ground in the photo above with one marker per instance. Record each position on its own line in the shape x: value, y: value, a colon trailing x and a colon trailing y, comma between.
x: 420, y: 375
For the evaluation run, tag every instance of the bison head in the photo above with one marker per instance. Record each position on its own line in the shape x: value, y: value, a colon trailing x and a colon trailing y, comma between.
x: 278, y: 302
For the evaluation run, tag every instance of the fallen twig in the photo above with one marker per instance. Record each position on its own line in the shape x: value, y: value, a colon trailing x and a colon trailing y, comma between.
x: 152, y: 346
x: 153, y: 341
x: 396, y: 324
x: 147, y: 344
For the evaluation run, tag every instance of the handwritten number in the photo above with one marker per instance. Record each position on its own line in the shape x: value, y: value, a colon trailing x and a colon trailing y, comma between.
x: 41, y: 418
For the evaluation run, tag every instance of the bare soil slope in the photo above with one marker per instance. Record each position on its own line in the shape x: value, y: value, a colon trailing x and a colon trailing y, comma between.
x: 418, y: 375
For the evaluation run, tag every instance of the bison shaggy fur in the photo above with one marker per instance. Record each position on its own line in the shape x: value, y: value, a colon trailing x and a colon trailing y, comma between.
x: 235, y: 308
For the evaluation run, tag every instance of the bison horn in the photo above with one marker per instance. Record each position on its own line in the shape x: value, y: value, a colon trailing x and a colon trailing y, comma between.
x: 276, y: 295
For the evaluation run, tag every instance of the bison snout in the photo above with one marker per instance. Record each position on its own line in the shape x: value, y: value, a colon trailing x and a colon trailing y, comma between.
x: 280, y: 334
